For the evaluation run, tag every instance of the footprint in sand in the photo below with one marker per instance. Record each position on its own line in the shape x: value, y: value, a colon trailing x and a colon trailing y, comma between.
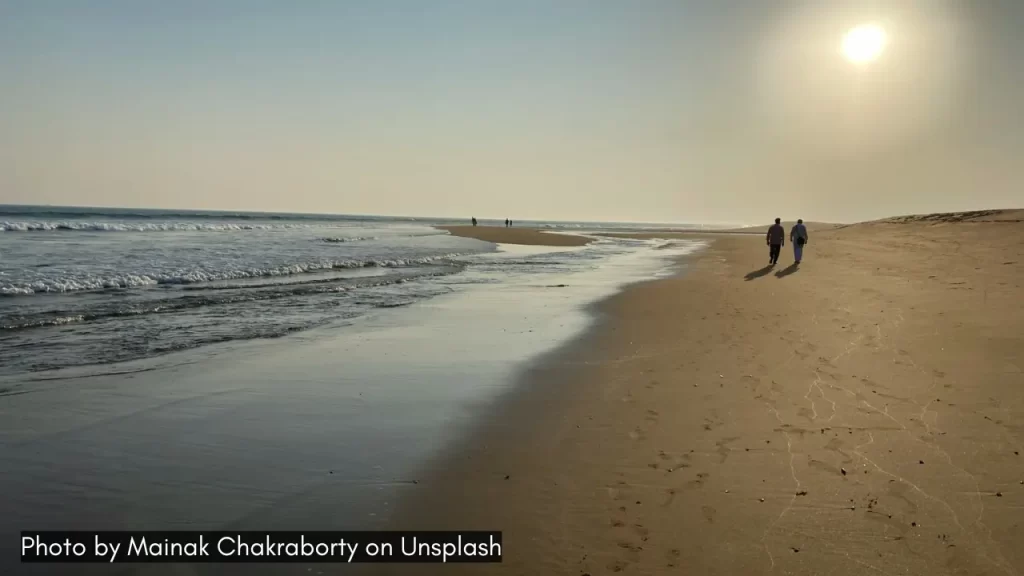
x: 636, y: 434
x: 699, y: 482
x: 626, y: 545
x: 673, y: 556
x: 723, y: 447
x: 823, y: 466
x: 709, y: 513
x: 617, y: 565
x: 671, y: 492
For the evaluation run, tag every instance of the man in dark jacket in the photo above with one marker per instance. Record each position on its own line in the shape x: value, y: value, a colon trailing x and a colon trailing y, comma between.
x: 776, y: 239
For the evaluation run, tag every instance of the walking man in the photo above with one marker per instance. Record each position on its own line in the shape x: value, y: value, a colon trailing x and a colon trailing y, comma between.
x: 798, y: 236
x: 775, y: 239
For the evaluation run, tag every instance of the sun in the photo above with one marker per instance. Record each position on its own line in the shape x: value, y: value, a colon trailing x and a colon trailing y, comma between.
x: 864, y: 43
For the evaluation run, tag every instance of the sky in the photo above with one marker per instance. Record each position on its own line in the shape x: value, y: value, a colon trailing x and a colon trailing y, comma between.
x: 715, y: 111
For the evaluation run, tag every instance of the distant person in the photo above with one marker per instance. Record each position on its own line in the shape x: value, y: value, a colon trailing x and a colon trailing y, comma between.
x: 798, y: 236
x: 776, y: 238
x: 474, y: 220
x: 507, y: 222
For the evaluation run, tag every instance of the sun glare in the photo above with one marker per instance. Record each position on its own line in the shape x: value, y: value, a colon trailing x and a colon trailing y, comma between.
x: 864, y: 44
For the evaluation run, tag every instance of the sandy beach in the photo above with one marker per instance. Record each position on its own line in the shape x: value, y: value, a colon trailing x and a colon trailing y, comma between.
x: 521, y: 236
x: 859, y: 414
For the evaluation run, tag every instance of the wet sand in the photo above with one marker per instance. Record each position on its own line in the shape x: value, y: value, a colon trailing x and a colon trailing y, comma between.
x: 523, y: 236
x: 859, y: 414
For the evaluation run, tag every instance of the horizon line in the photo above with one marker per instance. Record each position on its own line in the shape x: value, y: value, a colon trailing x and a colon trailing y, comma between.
x: 363, y: 215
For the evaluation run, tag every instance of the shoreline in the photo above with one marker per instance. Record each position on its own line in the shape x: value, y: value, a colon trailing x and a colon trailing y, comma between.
x: 857, y: 413
x: 324, y: 429
x: 520, y: 236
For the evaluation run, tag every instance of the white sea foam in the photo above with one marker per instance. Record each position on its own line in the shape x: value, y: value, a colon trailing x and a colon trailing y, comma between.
x: 349, y: 239
x: 152, y: 278
x: 99, y: 226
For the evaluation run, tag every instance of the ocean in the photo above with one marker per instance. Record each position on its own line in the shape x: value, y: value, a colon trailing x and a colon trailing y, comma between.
x: 210, y: 371
x: 90, y: 286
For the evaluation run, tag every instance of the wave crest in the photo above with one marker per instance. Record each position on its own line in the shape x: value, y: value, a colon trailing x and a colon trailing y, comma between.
x: 138, y: 280
x: 72, y: 226
x: 349, y: 239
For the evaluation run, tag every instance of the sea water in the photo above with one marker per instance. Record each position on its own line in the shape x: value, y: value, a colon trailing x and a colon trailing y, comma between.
x: 264, y: 372
x: 88, y: 286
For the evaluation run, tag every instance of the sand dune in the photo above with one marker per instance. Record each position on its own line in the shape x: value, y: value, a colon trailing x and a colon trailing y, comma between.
x: 859, y: 414
x: 956, y: 217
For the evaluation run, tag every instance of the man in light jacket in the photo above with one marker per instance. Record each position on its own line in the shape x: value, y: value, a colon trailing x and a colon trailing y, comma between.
x: 798, y: 236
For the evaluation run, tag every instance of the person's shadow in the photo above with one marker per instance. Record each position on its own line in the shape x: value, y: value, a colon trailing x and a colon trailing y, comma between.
x: 759, y: 273
x: 787, y: 271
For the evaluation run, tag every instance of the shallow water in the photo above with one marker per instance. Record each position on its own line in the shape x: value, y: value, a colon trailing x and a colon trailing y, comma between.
x: 90, y: 286
x: 321, y: 429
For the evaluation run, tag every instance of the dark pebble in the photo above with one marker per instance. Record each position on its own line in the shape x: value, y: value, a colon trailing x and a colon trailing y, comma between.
x: 920, y: 461
x: 843, y: 470
x: 999, y: 494
x: 507, y: 476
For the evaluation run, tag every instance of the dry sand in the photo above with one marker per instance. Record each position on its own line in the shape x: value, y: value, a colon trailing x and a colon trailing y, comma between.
x: 863, y: 414
x: 526, y: 236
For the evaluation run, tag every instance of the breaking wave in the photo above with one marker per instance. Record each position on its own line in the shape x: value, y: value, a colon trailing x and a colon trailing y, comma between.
x: 141, y: 279
x: 73, y: 226
x: 349, y: 239
x: 240, y: 294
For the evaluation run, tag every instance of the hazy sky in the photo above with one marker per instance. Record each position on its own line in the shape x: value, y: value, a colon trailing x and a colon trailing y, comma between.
x: 713, y: 110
